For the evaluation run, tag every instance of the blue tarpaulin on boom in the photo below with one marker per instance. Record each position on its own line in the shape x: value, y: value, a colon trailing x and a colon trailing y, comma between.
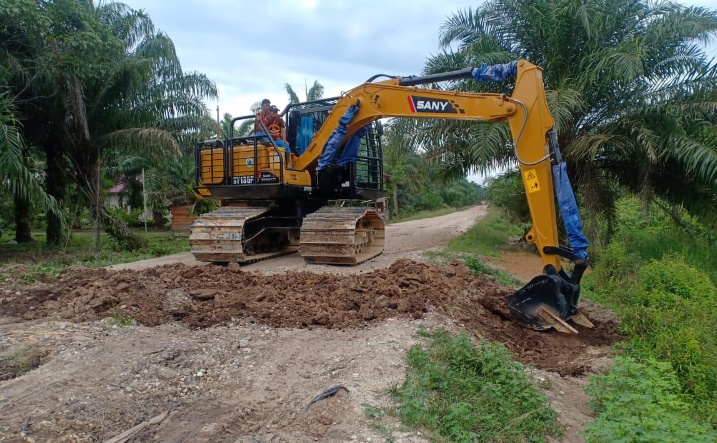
x: 569, y: 211
x: 350, y: 151
x: 495, y: 73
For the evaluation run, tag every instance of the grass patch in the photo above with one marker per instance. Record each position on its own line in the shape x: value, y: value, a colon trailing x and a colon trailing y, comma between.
x: 487, y: 236
x: 40, y: 261
x: 426, y: 214
x: 460, y: 391
x: 121, y: 320
x: 476, y: 265
x: 20, y: 361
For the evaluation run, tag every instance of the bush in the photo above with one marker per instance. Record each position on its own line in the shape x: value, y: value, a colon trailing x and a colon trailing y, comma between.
x: 430, y: 199
x: 466, y: 392
x: 667, y: 308
x: 506, y: 192
x: 641, y: 402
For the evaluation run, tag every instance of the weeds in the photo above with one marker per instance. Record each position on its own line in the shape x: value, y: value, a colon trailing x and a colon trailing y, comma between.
x: 460, y: 391
x: 426, y: 214
x: 120, y: 320
x: 377, y: 417
x: 20, y: 361
x: 42, y: 262
x: 477, y: 267
x: 642, y: 402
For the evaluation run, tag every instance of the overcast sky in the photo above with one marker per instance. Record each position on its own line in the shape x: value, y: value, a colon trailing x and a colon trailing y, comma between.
x: 251, y: 49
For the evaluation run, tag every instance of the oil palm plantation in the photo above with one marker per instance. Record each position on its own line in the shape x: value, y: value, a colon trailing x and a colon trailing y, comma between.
x: 630, y: 86
x: 103, y: 81
x: 403, y: 166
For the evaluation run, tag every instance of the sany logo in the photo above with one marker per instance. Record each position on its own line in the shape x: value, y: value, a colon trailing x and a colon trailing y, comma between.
x: 427, y: 104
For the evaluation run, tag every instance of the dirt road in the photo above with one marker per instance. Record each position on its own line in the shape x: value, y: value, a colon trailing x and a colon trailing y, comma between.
x: 403, y: 240
x: 230, y: 354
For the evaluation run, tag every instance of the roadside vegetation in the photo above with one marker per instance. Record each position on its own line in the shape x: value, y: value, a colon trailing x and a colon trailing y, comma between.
x: 39, y: 261
x: 657, y: 273
x: 660, y: 279
x: 457, y: 390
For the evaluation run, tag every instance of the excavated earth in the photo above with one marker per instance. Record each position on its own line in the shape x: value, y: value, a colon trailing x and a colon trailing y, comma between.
x: 205, y: 296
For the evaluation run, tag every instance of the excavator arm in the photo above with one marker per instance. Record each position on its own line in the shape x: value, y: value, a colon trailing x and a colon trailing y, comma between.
x: 550, y: 299
x: 526, y: 111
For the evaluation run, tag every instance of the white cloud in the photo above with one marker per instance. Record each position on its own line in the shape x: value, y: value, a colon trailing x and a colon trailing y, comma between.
x: 252, y: 49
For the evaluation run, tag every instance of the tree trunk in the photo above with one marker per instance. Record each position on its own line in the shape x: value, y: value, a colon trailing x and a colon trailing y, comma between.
x: 120, y: 232
x: 57, y: 187
x: 98, y: 203
x: 157, y: 219
x: 23, y: 233
x: 395, y: 199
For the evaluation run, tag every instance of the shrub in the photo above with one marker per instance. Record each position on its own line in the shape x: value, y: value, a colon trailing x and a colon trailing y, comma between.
x: 638, y: 402
x: 466, y: 392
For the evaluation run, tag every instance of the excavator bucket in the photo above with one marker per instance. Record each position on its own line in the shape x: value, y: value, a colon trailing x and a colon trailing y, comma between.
x: 540, y: 304
x: 550, y: 300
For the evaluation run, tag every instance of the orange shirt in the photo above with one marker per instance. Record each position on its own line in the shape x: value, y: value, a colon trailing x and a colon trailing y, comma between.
x: 274, y: 125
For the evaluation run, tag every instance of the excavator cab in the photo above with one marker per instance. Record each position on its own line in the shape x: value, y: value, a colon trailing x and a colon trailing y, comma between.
x: 359, y: 177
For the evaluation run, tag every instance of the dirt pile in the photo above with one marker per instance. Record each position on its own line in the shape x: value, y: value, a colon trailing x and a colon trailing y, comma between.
x: 209, y: 295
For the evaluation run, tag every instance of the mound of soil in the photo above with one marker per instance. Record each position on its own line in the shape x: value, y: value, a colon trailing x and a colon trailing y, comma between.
x: 203, y: 296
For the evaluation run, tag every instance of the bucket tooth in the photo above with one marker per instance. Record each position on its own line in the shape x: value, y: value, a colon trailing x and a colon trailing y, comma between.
x: 580, y: 319
x: 342, y: 235
x: 554, y: 320
x: 220, y: 236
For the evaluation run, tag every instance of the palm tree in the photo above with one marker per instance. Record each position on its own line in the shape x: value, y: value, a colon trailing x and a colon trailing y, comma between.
x: 15, y: 175
x: 632, y: 91
x: 114, y: 85
x: 403, y: 166
x: 315, y: 92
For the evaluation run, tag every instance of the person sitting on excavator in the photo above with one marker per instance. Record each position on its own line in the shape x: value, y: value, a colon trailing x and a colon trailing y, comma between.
x: 277, y: 127
x: 262, y: 116
x: 274, y: 124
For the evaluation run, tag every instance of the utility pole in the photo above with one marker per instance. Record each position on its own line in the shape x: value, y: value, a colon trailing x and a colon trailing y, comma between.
x: 219, y: 126
x: 144, y: 202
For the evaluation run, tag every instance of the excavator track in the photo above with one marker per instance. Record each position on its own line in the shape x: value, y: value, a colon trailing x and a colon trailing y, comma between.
x: 342, y: 235
x: 221, y: 236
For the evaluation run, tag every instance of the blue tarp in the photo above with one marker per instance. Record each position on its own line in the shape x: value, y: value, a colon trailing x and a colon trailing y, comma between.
x: 495, y: 73
x: 306, y: 131
x: 336, y: 137
x: 569, y: 211
x: 350, y: 152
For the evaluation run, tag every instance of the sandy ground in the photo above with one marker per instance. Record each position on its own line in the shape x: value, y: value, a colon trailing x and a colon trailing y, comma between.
x: 248, y: 377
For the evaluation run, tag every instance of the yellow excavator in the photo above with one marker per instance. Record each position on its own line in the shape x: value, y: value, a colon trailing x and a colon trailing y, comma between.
x: 323, y: 196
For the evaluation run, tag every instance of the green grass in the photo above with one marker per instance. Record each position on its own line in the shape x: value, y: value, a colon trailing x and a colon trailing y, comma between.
x: 43, y: 261
x: 459, y: 391
x: 119, y: 319
x: 426, y: 214
x: 487, y: 236
x: 642, y: 402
